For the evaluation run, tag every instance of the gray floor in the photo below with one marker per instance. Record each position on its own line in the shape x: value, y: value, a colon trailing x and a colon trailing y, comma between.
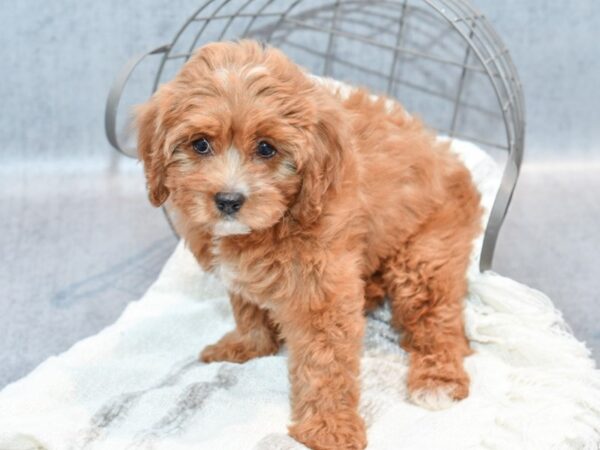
x: 78, y: 244
x: 75, y: 248
x: 551, y: 239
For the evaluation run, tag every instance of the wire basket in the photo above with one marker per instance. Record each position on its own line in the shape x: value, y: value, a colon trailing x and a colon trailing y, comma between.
x: 440, y: 58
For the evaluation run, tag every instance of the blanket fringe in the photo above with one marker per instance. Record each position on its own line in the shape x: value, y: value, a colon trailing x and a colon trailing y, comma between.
x: 551, y: 373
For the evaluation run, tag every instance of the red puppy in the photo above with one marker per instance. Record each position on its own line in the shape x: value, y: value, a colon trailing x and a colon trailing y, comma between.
x: 311, y: 207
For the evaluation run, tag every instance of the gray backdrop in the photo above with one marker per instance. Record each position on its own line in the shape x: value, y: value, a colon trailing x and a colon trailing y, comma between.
x: 78, y: 240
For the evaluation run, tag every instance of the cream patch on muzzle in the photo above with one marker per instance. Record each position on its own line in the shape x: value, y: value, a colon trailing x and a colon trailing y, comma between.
x: 229, y: 227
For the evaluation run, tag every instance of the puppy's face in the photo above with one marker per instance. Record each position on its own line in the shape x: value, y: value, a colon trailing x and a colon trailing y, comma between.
x: 236, y: 140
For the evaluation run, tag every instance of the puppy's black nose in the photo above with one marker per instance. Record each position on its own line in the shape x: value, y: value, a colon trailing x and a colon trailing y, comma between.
x: 229, y: 202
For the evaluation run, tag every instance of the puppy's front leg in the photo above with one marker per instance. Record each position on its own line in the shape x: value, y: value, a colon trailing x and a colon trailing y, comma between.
x: 255, y: 335
x: 324, y: 337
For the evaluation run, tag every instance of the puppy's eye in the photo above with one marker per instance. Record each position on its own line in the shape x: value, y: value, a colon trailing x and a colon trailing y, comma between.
x: 265, y: 150
x: 201, y: 146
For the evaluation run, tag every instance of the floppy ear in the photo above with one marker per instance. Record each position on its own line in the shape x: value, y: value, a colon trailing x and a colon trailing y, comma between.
x: 150, y: 144
x: 321, y: 172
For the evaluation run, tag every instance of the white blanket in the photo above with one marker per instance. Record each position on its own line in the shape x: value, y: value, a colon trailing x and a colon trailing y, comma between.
x: 138, y: 384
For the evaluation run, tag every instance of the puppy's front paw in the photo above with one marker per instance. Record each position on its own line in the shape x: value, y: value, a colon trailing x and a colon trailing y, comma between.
x: 337, y: 431
x: 237, y: 348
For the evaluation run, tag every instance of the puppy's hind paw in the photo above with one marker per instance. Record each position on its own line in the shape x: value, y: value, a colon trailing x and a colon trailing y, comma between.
x: 434, y: 398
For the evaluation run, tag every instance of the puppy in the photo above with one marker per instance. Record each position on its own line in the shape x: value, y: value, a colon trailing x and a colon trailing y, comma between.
x: 311, y: 208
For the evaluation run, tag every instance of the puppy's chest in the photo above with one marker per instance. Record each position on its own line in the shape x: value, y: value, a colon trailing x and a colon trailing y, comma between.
x: 245, y: 273
x: 225, y: 267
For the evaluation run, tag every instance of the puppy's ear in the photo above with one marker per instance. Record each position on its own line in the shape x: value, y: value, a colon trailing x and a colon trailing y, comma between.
x: 321, y: 172
x: 150, y: 145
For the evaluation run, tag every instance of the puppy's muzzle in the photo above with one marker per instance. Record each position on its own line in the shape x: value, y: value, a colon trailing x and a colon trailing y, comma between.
x: 229, y: 203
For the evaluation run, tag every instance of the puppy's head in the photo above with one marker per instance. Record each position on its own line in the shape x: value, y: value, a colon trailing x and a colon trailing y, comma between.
x: 239, y: 139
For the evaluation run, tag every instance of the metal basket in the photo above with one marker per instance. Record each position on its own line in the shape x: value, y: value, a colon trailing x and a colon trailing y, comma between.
x: 440, y: 58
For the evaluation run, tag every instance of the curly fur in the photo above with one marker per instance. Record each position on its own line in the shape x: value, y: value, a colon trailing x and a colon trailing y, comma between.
x: 359, y: 202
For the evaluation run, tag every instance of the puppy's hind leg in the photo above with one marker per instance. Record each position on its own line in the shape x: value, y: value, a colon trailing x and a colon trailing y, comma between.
x: 255, y: 335
x: 426, y: 282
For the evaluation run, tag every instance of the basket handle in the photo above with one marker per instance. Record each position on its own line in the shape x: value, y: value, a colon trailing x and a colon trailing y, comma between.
x: 498, y: 212
x: 114, y: 97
